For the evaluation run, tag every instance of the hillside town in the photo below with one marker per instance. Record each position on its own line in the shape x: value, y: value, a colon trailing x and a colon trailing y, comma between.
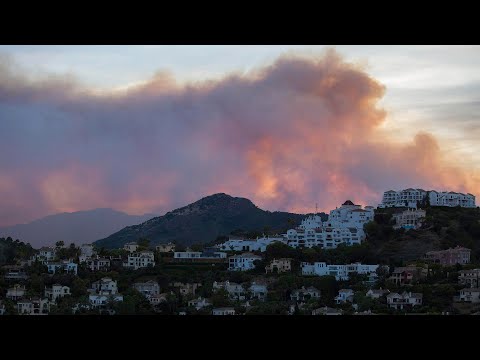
x: 353, y: 263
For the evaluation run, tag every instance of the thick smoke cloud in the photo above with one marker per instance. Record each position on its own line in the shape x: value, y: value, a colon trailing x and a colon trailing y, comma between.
x: 298, y: 132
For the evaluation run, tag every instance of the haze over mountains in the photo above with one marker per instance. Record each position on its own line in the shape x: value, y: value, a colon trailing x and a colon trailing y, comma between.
x: 79, y: 227
x: 203, y: 221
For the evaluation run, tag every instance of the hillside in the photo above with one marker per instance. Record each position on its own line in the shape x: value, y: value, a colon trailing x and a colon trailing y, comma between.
x: 444, y: 227
x: 203, y: 221
x: 78, y: 227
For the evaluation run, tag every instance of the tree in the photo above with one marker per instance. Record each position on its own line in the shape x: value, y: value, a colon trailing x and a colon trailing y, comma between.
x: 220, y: 298
x: 59, y: 244
x: 79, y: 287
x: 143, y: 243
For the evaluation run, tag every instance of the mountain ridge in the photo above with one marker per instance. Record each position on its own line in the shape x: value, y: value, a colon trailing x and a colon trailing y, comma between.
x: 203, y: 221
x: 79, y: 227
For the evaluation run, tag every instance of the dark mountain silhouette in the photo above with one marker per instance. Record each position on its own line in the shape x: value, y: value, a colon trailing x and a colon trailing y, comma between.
x: 79, y: 227
x: 203, y: 221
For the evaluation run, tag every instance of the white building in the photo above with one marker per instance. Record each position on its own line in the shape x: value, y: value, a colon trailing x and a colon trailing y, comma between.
x: 14, y: 272
x: 103, y: 291
x: 131, y: 247
x: 409, y: 219
x: 165, y: 248
x: 403, y: 198
x: 98, y: 264
x: 46, y: 254
x: 305, y: 293
x: 344, y: 295
x: 140, y: 259
x: 67, y: 266
x: 16, y: 292
x: 410, y: 198
x: 344, y: 226
x: 223, y: 311
x: 34, y: 306
x: 199, y: 255
x: 56, y: 291
x: 186, y: 288
x: 451, y: 199
x: 87, y: 250
x: 104, y: 286
x: 327, y: 311
x: 405, y: 300
x: 235, y: 291
x: 279, y: 265
x: 148, y: 288
x: 258, y: 291
x: 470, y: 295
x: 97, y: 300
x: 260, y: 244
x: 469, y: 277
x: 243, y: 262
x: 199, y: 303
x: 155, y: 300
x: 341, y: 272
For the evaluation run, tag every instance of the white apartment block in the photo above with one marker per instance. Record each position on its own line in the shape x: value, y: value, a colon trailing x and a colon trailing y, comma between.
x: 403, y: 198
x: 451, y: 199
x: 344, y: 226
x: 56, y: 291
x: 243, y: 262
x: 341, y: 272
x: 260, y: 244
x: 140, y: 259
x: 410, y: 197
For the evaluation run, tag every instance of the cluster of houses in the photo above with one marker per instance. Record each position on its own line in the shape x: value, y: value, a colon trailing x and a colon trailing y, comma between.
x: 411, y: 197
x: 344, y: 226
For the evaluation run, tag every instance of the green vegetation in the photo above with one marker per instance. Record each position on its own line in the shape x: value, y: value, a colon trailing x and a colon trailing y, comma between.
x: 11, y: 249
x: 207, y: 219
x: 443, y: 228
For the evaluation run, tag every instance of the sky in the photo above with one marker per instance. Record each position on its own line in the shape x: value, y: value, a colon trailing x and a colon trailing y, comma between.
x: 147, y: 129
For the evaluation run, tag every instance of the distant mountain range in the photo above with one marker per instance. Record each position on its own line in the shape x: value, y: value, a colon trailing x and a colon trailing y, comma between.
x: 203, y: 221
x: 78, y: 227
